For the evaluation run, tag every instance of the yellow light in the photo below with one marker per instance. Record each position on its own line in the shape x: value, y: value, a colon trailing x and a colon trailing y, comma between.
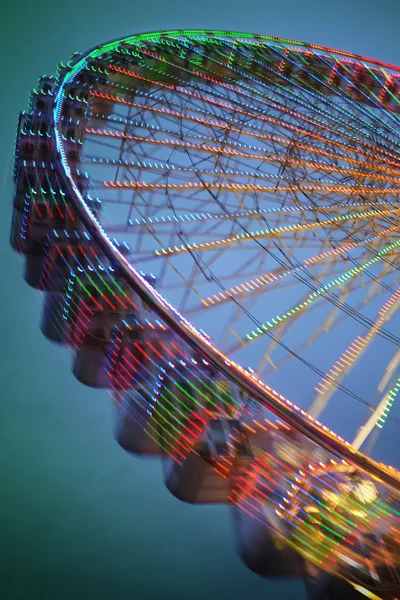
x: 359, y: 513
x: 366, y: 592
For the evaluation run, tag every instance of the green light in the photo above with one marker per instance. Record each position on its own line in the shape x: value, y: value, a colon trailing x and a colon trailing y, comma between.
x: 319, y: 293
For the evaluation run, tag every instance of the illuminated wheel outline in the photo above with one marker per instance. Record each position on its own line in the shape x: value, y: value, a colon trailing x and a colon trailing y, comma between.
x: 315, y: 442
x: 248, y: 380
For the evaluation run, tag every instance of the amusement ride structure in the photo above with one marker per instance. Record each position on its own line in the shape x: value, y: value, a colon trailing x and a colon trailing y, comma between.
x: 193, y: 202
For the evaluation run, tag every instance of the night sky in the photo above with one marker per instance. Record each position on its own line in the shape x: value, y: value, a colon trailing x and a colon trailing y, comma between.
x: 80, y: 519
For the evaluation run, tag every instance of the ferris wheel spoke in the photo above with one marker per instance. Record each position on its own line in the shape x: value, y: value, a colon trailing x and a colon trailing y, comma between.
x: 318, y: 151
x: 336, y: 318
x: 274, y: 276
x: 391, y: 367
x: 377, y: 420
x: 184, y: 116
x: 325, y: 388
x: 249, y: 236
x: 316, y: 295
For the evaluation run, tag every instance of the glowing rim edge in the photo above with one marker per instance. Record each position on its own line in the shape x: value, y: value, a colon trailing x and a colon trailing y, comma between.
x: 263, y: 394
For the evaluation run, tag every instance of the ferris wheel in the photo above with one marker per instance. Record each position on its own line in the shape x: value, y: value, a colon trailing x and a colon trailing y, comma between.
x: 213, y: 217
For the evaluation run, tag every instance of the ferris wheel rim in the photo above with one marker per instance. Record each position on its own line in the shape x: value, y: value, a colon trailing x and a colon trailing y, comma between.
x: 265, y: 396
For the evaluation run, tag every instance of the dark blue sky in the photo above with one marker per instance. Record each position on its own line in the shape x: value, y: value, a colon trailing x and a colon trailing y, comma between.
x: 78, y: 517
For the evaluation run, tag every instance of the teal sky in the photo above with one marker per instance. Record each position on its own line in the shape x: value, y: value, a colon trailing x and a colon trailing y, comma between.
x: 79, y: 519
